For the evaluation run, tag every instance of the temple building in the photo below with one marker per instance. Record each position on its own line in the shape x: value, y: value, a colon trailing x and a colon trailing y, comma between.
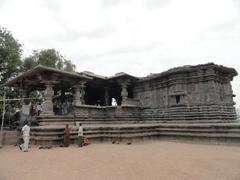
x: 200, y: 94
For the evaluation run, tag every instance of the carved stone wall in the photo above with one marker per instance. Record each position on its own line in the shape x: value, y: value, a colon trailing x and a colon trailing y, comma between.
x: 197, y: 86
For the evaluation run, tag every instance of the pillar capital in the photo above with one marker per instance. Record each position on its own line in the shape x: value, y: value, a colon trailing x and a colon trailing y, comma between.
x: 124, y: 83
x: 49, y: 82
x: 79, y: 86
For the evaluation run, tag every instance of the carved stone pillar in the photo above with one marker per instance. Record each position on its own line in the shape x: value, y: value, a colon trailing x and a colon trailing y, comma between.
x: 124, y: 93
x: 78, y: 98
x: 82, y: 93
x: 23, y: 94
x: 47, y: 106
x: 106, y: 96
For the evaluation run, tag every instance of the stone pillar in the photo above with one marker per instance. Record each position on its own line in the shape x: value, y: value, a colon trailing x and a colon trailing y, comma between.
x: 82, y: 93
x: 23, y: 104
x: 106, y: 96
x: 23, y: 94
x: 47, y: 106
x: 78, y: 98
x: 124, y: 93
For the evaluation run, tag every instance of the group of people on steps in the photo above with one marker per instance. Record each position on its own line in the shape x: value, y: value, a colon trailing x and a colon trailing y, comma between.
x: 25, y: 136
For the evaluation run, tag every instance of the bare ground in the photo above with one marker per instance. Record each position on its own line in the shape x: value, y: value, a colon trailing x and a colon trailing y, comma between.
x: 141, y: 161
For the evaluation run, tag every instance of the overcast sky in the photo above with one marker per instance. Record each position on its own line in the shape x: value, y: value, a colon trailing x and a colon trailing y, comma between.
x: 135, y: 36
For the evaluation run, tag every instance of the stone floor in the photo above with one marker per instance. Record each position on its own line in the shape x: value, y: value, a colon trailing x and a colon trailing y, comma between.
x: 141, y: 161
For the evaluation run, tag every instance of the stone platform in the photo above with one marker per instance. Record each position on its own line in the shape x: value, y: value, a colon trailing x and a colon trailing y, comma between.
x: 211, y: 131
x: 211, y: 123
x: 192, y: 102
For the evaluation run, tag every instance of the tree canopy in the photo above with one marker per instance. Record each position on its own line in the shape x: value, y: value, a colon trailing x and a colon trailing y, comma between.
x: 10, y: 55
x: 11, y: 63
x: 50, y: 58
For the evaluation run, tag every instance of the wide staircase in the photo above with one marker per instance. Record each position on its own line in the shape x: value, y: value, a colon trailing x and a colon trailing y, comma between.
x: 197, y: 123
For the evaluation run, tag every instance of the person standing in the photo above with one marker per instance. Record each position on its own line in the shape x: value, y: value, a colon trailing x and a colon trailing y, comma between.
x: 80, y: 135
x: 25, y: 133
x: 66, y: 140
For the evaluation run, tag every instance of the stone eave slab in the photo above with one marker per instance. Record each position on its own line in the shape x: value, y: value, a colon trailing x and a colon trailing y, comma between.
x: 41, y: 69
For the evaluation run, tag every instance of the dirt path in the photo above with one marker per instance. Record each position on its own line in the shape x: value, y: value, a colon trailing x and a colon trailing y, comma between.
x: 143, y: 161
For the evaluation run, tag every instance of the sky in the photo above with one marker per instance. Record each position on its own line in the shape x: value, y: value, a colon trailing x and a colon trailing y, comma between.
x: 138, y: 37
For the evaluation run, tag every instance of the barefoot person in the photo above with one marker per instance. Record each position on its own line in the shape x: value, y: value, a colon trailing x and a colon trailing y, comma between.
x: 25, y: 133
x: 66, y: 136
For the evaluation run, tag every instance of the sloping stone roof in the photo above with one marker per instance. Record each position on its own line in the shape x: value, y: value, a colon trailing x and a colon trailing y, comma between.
x: 93, y: 75
x: 122, y: 74
x: 182, y: 69
x: 89, y: 75
x: 41, y: 68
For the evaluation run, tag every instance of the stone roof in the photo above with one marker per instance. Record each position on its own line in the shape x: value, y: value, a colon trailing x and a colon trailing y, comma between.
x: 122, y: 74
x: 89, y: 75
x: 93, y: 75
x: 41, y: 68
x: 117, y: 75
x: 187, y: 68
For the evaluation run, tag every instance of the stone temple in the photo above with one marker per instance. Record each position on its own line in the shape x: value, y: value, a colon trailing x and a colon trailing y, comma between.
x: 188, y: 102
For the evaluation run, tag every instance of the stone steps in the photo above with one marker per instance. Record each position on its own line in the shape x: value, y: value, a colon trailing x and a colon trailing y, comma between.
x: 202, y: 122
x: 192, y: 115
x: 187, y: 130
x: 202, y: 135
x: 56, y: 123
x: 54, y: 134
x: 129, y: 121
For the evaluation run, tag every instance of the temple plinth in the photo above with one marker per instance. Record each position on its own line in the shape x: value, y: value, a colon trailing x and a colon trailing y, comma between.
x: 175, y: 103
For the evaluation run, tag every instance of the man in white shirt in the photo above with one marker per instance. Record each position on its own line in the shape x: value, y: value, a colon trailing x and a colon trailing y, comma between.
x: 80, y: 135
x: 25, y: 133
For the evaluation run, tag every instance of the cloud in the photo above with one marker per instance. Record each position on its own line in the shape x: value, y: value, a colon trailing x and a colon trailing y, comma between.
x: 237, y: 4
x: 98, y: 32
x: 53, y: 5
x: 2, y: 3
x: 73, y: 35
x: 152, y: 4
x: 135, y: 36
x: 109, y: 3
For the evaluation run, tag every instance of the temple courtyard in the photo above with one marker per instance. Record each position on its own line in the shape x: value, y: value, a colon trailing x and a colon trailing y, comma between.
x: 139, y: 161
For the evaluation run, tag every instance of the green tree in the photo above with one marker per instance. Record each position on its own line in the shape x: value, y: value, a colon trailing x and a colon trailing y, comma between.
x: 68, y: 66
x: 29, y: 63
x: 10, y: 55
x: 50, y: 58
x: 10, y: 62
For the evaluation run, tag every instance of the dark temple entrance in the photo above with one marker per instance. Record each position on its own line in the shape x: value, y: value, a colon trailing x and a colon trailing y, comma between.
x: 100, y: 93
